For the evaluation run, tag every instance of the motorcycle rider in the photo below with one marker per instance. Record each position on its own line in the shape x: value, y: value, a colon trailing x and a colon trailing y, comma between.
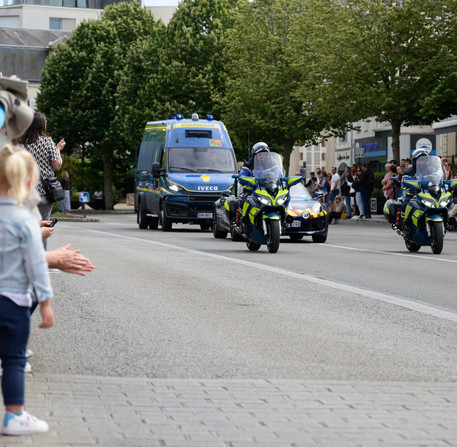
x: 248, y: 166
x: 260, y: 149
x: 418, y: 160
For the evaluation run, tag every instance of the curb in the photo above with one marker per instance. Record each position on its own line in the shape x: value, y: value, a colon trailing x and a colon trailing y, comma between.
x: 375, y: 220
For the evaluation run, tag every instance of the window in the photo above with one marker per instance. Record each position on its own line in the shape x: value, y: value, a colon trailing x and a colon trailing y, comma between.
x: 9, y: 21
x: 62, y: 24
x: 54, y: 23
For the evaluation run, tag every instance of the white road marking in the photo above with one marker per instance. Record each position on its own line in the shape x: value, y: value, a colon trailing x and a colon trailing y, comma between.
x: 429, y: 257
x: 404, y: 302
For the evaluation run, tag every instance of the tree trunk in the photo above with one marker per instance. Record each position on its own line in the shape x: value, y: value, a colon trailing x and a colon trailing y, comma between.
x: 396, y: 128
x: 108, y: 181
x: 288, y: 148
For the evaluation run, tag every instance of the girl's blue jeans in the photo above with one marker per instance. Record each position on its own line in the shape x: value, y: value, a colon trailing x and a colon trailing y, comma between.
x: 14, y: 334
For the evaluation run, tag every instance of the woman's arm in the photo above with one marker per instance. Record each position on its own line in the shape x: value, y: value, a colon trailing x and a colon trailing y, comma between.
x: 57, y: 164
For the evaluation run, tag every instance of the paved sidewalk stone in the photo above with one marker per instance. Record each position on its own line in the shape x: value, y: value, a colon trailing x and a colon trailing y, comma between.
x: 110, y: 411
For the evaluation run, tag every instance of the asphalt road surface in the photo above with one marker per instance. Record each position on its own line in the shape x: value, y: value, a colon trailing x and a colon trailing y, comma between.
x: 182, y: 304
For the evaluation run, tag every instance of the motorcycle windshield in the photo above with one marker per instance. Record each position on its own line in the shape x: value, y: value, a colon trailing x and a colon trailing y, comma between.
x: 430, y: 169
x: 268, y: 165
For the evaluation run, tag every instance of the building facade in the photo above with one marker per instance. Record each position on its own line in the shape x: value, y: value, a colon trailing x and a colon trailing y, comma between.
x: 372, y: 144
x: 65, y: 15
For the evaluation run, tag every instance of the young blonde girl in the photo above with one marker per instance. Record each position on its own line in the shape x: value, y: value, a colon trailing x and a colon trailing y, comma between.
x: 22, y: 268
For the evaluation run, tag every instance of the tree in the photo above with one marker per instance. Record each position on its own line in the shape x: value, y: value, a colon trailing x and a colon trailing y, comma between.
x: 392, y: 60
x: 182, y: 68
x: 79, y: 84
x: 262, y: 98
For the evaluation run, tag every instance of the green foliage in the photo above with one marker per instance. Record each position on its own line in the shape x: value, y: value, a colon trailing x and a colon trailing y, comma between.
x: 378, y: 176
x: 377, y: 193
x: 265, y: 96
x: 392, y: 60
x: 80, y: 81
x: 282, y: 71
x: 177, y: 71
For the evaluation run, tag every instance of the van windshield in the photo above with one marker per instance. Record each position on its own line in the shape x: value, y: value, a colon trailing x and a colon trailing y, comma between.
x: 201, y: 159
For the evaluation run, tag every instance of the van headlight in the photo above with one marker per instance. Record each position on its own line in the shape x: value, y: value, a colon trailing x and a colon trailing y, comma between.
x: 316, y: 208
x: 175, y: 188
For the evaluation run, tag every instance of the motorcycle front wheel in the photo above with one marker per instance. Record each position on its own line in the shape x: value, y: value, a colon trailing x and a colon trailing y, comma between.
x: 436, y: 237
x: 273, y: 235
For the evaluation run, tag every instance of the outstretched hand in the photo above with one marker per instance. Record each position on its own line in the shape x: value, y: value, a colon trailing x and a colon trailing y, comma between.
x: 69, y: 261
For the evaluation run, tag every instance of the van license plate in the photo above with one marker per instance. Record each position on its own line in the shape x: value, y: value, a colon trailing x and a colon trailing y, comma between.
x: 296, y: 223
x: 204, y: 215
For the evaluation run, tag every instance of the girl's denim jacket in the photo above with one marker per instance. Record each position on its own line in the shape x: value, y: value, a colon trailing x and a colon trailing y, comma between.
x: 22, y: 260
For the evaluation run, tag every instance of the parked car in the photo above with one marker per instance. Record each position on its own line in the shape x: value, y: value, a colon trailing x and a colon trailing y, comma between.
x: 306, y: 216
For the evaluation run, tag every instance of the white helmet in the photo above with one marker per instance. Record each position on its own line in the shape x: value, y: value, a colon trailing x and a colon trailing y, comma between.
x: 260, y: 147
x: 419, y: 153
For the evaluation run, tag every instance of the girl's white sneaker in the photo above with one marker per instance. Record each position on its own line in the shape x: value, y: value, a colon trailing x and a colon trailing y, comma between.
x: 23, y: 424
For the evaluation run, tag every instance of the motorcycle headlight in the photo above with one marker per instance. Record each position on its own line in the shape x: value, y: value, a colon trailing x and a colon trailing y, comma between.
x: 281, y: 200
x: 264, y: 200
x: 428, y: 202
x: 316, y: 208
x: 445, y: 202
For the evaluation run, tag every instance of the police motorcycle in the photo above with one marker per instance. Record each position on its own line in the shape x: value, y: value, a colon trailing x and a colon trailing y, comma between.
x: 425, y: 217
x: 263, y: 204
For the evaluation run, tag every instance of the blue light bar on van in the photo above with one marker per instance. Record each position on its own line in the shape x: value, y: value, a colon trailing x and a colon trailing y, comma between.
x: 209, y: 117
x: 179, y: 116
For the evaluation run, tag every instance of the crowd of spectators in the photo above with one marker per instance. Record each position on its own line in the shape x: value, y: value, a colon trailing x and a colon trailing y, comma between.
x: 353, y: 187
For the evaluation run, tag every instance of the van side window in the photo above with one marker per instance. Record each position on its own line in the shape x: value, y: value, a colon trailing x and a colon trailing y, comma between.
x: 150, y: 150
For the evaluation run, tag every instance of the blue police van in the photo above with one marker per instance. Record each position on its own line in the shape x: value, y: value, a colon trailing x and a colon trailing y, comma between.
x: 183, y: 167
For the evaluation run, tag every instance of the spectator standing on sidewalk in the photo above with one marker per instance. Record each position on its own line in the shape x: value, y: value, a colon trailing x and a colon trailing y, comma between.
x: 346, y: 180
x: 311, y: 184
x: 98, y: 196
x: 366, y: 188
x: 358, y: 195
x: 46, y: 154
x: 387, y: 185
x: 322, y: 183
x: 65, y: 203
x: 20, y: 242
x: 334, y: 185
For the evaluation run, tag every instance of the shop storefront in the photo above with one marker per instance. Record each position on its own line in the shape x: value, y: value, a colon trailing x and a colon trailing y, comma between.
x: 343, y: 159
x: 372, y: 151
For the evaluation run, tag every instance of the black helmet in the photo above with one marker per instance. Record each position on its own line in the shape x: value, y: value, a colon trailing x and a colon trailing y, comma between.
x: 260, y: 147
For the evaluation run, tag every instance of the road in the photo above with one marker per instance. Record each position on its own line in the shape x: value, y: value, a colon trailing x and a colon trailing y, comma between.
x: 185, y: 305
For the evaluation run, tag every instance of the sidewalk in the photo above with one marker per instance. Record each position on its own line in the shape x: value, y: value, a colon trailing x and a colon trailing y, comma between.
x: 111, y: 411
x: 376, y: 219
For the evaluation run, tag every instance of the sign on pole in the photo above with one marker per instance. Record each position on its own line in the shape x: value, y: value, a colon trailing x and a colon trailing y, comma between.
x: 84, y: 197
